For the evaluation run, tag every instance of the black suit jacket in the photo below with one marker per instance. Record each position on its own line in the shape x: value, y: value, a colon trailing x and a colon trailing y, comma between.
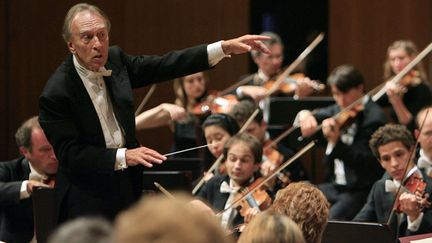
x: 16, y: 216
x: 379, y: 204
x: 361, y: 167
x: 211, y: 194
x: 86, y: 182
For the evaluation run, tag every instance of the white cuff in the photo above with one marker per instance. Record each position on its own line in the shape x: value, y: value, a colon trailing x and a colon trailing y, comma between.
x: 415, y: 225
x: 23, y: 191
x: 215, y: 53
x: 239, y: 91
x: 329, y: 149
x: 120, y: 163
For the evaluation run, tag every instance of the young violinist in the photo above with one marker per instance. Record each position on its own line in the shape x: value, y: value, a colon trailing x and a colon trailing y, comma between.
x: 243, y: 154
x: 189, y: 90
x: 272, y: 157
x: 413, y: 92
x: 218, y: 129
x: 269, y: 66
x: 392, y: 145
x: 351, y: 165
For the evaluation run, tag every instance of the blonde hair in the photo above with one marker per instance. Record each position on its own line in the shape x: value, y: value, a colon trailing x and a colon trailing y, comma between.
x: 410, y: 48
x: 272, y: 228
x: 160, y: 219
x: 307, y: 206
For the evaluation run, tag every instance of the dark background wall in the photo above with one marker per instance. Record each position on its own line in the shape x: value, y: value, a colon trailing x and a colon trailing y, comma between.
x: 357, y: 32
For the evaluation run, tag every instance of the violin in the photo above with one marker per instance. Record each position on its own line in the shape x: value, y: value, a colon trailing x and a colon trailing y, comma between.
x: 259, y: 198
x: 417, y: 186
x: 347, y: 116
x: 215, y: 104
x: 407, y: 70
x: 411, y: 78
x: 290, y: 85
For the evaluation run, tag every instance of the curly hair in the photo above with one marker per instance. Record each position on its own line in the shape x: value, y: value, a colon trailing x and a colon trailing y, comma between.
x: 390, y: 133
x: 307, y: 206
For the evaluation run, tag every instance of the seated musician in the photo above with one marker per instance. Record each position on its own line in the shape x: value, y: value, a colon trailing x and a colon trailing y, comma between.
x: 392, y: 145
x: 351, y: 165
x: 189, y: 91
x: 19, y: 177
x: 217, y: 128
x: 306, y: 206
x: 272, y: 157
x: 269, y: 66
x: 424, y: 134
x: 243, y: 154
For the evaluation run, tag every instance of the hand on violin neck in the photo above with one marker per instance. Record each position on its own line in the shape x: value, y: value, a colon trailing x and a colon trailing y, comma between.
x: 304, y: 87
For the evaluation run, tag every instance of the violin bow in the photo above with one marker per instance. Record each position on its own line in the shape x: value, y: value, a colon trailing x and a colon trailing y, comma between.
x: 216, y: 164
x: 164, y: 191
x: 404, y: 71
x: 269, y: 177
x: 296, y: 62
x: 145, y: 99
x: 380, y: 90
x: 405, y: 177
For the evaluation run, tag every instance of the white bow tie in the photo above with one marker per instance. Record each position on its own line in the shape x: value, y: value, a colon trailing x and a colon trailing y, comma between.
x: 423, y: 163
x: 101, y: 73
x: 225, y: 188
x: 390, y: 186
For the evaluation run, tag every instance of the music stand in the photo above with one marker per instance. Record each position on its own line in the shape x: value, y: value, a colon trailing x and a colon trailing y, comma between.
x: 44, y: 212
x: 283, y: 110
x: 280, y: 113
x: 346, y: 231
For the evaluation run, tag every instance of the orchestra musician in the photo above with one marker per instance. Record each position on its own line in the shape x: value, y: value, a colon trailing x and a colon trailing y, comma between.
x: 407, y: 97
x: 189, y: 91
x: 19, y: 178
x: 269, y: 66
x: 243, y: 154
x: 272, y: 157
x: 351, y: 165
x: 391, y: 144
x: 307, y: 206
x: 218, y: 129
x: 86, y: 111
x: 424, y: 135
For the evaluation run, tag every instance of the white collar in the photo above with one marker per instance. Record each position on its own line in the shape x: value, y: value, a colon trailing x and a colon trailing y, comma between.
x: 88, y: 74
